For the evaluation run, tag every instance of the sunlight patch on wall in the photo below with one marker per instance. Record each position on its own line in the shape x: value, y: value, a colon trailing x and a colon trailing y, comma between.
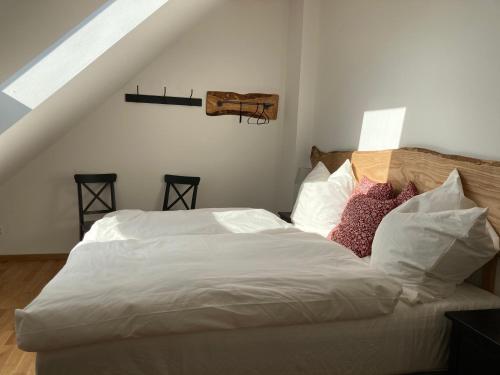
x: 382, y: 129
x: 78, y: 49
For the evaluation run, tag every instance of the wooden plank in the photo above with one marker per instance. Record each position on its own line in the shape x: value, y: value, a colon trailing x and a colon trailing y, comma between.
x: 11, y: 361
x: 27, y: 364
x: 428, y: 170
x: 5, y: 352
x: 20, y: 282
x: 228, y: 103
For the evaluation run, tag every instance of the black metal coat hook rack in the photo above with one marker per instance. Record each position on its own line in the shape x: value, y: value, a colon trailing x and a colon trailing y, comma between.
x: 158, y: 99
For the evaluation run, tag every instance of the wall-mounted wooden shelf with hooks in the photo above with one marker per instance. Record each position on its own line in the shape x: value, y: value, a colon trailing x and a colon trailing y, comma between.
x: 263, y: 107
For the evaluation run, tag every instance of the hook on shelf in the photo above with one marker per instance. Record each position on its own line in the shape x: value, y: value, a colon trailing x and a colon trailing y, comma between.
x: 262, y: 116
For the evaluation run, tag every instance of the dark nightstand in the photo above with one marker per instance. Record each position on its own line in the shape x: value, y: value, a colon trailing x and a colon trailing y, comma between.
x: 287, y: 216
x: 475, y: 342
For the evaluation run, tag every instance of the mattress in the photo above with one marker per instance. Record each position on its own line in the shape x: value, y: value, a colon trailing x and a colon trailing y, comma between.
x: 413, y: 338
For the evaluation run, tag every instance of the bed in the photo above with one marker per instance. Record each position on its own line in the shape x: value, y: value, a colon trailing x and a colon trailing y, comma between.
x: 412, y: 339
x: 334, y: 316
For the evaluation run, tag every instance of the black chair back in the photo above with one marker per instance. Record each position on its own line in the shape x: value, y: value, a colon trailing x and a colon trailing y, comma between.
x: 172, y: 181
x: 88, y: 181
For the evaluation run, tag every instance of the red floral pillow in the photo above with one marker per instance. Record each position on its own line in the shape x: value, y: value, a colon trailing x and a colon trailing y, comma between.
x: 361, y: 218
x: 377, y: 190
x: 408, y: 192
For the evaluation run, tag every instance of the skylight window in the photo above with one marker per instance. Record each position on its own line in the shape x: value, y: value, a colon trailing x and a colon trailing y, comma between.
x: 78, y: 49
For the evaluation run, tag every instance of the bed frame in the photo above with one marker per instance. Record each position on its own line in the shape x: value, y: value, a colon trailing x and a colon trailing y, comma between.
x: 427, y: 169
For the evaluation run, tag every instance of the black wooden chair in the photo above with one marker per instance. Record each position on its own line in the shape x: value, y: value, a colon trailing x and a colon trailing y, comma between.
x: 109, y: 205
x: 172, y: 182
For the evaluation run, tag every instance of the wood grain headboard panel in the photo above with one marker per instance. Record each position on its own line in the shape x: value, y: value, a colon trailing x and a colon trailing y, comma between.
x: 427, y: 169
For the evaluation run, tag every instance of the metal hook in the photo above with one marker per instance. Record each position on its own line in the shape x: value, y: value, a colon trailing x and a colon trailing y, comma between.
x: 137, y: 89
x: 266, y: 116
x: 191, y: 94
x: 164, y: 90
x: 262, y: 116
x: 253, y: 114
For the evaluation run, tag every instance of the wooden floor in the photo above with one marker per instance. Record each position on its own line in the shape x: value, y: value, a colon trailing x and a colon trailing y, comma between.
x: 20, y: 282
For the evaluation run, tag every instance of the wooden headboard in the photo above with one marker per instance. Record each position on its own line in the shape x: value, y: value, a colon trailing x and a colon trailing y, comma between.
x: 427, y: 169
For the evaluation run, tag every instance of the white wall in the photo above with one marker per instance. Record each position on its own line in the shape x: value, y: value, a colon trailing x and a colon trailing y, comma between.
x: 40, y: 128
x: 28, y: 27
x: 288, y: 156
x: 141, y: 142
x: 439, y: 59
x: 330, y: 61
x: 300, y: 94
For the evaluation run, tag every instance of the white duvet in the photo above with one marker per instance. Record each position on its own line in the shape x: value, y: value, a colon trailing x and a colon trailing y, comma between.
x: 130, y: 288
x: 137, y: 224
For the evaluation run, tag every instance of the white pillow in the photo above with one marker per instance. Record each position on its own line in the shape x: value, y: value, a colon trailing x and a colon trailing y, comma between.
x: 322, y: 198
x: 434, y: 242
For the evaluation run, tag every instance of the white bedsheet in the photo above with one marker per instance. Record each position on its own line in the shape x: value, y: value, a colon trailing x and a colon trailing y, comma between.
x: 143, y: 225
x: 176, y: 284
x: 412, y: 339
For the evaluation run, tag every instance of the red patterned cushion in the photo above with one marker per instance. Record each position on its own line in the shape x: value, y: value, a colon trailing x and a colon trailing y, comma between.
x: 361, y: 218
x: 409, y: 191
x: 377, y: 190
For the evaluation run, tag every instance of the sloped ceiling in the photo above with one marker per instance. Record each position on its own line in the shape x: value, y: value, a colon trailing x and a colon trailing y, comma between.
x: 28, y: 27
x: 45, y: 124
